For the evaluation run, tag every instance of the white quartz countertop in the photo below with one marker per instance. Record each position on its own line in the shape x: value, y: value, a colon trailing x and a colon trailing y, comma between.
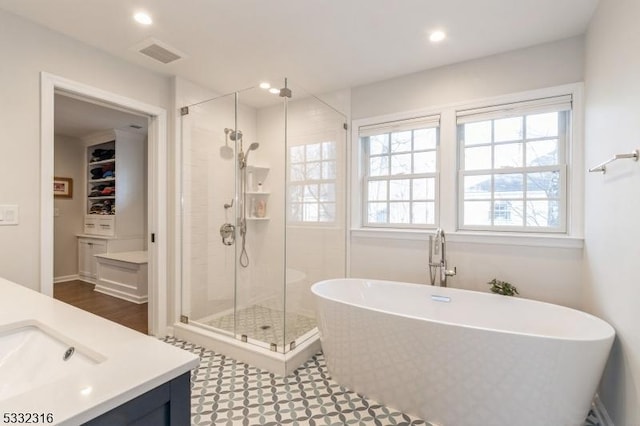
x: 127, y: 256
x: 130, y: 363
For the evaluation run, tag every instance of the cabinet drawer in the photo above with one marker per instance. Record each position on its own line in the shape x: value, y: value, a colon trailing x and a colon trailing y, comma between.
x: 90, y: 225
x: 105, y: 225
x: 99, y: 225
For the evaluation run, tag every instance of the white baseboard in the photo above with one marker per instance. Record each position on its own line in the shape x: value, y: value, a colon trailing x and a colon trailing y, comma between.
x: 121, y: 294
x: 66, y: 278
x: 601, y: 412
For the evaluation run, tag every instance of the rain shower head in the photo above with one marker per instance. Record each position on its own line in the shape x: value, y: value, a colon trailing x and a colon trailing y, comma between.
x: 234, y: 135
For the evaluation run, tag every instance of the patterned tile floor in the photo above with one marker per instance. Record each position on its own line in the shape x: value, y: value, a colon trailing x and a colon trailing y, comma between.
x: 228, y: 392
x: 265, y: 324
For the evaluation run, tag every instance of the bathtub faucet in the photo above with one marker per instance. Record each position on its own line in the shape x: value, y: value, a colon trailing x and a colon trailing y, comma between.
x: 438, y: 259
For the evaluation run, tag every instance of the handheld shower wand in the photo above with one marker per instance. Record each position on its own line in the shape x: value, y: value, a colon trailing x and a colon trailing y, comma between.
x: 242, y: 164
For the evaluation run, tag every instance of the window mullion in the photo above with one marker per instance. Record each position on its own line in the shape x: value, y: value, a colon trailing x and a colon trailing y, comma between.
x: 523, y: 142
x: 387, y: 198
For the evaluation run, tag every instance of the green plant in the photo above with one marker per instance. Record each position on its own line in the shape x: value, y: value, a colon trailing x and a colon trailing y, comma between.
x: 503, y: 287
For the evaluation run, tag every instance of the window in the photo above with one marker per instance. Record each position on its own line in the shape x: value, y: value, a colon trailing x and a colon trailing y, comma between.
x: 312, y: 183
x: 512, y: 159
x: 400, y: 173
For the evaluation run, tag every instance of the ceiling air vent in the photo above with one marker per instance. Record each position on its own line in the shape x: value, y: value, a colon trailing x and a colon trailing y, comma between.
x: 159, y: 51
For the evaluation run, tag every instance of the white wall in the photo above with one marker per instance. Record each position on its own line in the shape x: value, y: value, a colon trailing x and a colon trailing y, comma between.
x: 612, y: 205
x: 544, y: 273
x: 535, y: 67
x: 27, y: 50
x: 67, y: 223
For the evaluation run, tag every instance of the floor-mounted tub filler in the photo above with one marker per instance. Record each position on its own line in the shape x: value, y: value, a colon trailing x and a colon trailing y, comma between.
x: 459, y: 357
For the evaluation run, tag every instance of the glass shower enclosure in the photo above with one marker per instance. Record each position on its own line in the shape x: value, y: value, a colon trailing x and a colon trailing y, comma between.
x: 263, y: 213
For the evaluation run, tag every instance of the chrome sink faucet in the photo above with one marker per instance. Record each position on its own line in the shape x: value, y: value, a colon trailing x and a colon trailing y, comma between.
x: 438, y: 259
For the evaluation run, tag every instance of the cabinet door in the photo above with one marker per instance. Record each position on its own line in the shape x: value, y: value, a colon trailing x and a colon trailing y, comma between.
x: 84, y: 258
x: 97, y: 247
x: 87, y: 263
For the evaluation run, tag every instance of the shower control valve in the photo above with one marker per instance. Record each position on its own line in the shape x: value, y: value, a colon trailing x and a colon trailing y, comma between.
x: 228, y: 234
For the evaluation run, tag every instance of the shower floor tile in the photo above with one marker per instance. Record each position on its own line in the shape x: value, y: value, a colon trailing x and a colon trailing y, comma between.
x: 228, y: 392
x: 265, y: 324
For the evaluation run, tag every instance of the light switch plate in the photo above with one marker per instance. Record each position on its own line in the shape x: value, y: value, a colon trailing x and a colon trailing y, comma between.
x: 8, y: 214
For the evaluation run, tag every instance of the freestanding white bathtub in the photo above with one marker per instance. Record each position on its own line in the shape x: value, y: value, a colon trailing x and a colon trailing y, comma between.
x: 457, y: 357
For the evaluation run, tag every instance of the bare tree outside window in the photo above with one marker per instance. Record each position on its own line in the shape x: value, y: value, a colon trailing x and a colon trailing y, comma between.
x: 400, y: 177
x: 312, y: 183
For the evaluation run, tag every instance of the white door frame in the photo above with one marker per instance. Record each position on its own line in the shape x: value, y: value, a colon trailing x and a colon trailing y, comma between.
x: 157, y: 207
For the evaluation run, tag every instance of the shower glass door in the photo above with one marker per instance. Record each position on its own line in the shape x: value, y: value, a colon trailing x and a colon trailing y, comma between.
x: 260, y: 264
x: 208, y: 158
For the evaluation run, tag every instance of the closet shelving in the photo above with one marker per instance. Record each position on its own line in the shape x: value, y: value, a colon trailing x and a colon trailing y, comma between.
x: 115, y: 192
x: 101, y: 180
x: 115, y: 197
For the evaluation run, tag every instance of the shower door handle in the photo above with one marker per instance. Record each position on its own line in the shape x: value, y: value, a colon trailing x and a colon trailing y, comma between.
x: 228, y: 234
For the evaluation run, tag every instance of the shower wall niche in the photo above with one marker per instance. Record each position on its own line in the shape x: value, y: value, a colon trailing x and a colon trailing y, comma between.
x: 263, y: 214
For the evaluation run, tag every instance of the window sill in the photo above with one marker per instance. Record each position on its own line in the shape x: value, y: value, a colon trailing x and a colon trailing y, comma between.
x: 499, y: 238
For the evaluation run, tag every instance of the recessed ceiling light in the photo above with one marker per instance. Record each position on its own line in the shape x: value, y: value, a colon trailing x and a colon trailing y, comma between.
x: 437, y: 36
x: 143, y: 18
x: 274, y: 90
x: 265, y: 85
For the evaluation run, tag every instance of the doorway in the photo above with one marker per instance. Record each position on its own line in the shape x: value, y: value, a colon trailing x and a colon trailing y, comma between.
x: 154, y: 235
x: 100, y: 263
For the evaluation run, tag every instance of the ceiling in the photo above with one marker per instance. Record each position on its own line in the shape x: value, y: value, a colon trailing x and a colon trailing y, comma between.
x: 321, y: 45
x: 77, y: 118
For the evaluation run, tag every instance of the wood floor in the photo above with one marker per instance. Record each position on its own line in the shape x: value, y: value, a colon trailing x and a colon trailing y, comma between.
x: 81, y: 295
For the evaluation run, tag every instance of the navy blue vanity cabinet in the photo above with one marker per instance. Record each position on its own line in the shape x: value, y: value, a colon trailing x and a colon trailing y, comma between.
x: 167, y: 405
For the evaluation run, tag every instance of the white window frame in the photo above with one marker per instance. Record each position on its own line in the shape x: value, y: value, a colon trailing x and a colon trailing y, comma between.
x: 522, y: 108
x: 448, y: 176
x: 388, y: 127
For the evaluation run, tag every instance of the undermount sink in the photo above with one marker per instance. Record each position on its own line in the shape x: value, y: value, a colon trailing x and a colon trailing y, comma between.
x: 32, y: 355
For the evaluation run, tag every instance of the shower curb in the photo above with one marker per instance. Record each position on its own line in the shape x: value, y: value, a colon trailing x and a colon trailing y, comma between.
x: 274, y: 362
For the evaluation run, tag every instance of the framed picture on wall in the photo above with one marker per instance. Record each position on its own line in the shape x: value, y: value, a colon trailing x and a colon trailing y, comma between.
x: 62, y: 187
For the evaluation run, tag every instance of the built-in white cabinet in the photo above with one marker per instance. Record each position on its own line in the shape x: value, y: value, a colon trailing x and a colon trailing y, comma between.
x: 89, y: 246
x: 123, y: 275
x: 115, y: 188
x: 87, y: 249
x: 115, y: 198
